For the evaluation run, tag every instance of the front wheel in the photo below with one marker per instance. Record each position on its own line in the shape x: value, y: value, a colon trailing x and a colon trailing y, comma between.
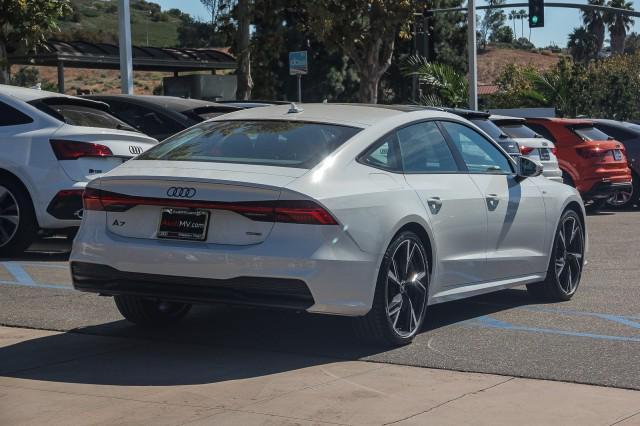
x: 151, y: 313
x: 567, y: 260
x: 401, y: 295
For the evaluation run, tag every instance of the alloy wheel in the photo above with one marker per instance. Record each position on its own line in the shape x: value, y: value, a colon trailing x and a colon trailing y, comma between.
x: 569, y: 254
x: 620, y: 198
x: 407, y: 288
x: 9, y: 216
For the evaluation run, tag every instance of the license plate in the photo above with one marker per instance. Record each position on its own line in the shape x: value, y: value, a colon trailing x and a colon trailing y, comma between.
x: 177, y: 224
x: 544, y: 154
x: 617, y: 154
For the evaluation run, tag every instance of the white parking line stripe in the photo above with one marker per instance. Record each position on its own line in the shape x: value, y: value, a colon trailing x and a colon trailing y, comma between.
x: 18, y: 273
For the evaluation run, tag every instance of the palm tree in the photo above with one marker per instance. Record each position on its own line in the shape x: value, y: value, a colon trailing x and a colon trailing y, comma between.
x: 443, y: 86
x: 513, y: 15
x: 618, y: 24
x: 594, y: 22
x: 522, y: 14
x: 582, y: 44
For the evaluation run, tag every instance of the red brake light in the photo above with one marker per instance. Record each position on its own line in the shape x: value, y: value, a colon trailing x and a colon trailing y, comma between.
x: 588, y: 152
x: 72, y: 150
x: 293, y: 211
x: 525, y: 150
x: 554, y: 151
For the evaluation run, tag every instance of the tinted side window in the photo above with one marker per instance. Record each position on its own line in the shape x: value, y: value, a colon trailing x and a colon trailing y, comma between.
x: 480, y: 155
x: 615, y: 132
x: 384, y: 154
x: 425, y: 150
x: 145, y: 120
x: 10, y: 116
x: 542, y: 131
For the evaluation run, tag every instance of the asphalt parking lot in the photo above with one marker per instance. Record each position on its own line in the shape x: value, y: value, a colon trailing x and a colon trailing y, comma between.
x: 594, y: 338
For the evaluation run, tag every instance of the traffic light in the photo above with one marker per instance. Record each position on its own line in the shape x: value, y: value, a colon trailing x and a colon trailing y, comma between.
x: 536, y: 13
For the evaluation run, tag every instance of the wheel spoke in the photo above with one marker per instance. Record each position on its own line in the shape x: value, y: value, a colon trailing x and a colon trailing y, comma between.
x: 413, y: 320
x: 394, y: 309
x: 560, y: 264
x: 408, y: 261
x: 574, y: 230
x: 393, y: 277
x: 10, y: 218
x: 562, y: 237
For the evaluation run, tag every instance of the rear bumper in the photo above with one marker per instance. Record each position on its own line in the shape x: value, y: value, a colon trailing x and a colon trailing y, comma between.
x: 279, y: 293
x: 305, y: 267
x: 605, y: 189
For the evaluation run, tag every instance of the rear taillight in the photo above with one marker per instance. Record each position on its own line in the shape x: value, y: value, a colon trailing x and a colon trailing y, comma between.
x: 291, y: 211
x: 72, y: 150
x: 525, y: 150
x: 595, y: 152
x: 554, y: 151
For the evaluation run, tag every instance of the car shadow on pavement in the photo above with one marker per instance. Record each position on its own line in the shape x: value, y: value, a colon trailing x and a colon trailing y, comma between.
x: 215, y: 344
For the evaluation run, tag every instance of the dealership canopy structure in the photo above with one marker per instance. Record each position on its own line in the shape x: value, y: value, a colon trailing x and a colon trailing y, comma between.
x: 80, y: 54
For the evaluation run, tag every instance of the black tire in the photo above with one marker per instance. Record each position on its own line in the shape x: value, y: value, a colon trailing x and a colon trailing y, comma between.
x: 151, y: 313
x: 15, y: 202
x: 552, y: 288
x: 376, y: 327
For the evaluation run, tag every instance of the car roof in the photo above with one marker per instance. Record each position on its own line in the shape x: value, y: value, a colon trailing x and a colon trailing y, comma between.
x: 569, y: 121
x: 173, y: 103
x: 495, y: 117
x: 357, y: 115
x: 26, y: 95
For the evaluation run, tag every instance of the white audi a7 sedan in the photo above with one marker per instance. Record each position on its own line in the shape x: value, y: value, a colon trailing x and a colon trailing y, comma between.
x: 370, y: 212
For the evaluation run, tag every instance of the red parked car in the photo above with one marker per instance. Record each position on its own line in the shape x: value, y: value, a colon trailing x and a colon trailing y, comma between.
x: 591, y: 161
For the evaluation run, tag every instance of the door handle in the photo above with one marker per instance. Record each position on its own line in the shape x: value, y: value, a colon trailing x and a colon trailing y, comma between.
x: 435, y: 204
x: 492, y: 201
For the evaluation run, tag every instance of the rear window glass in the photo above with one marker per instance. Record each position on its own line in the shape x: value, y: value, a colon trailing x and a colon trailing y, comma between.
x: 272, y: 143
x: 516, y: 130
x: 489, y: 128
x: 591, y: 133
x: 81, y: 115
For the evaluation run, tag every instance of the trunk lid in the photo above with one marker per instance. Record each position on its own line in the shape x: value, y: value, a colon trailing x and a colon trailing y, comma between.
x: 124, y: 145
x: 221, y: 193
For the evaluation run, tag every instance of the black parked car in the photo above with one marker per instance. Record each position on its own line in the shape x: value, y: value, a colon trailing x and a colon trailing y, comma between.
x: 629, y: 135
x: 162, y: 116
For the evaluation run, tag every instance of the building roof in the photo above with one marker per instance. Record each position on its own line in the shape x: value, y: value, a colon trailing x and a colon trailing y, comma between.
x: 81, y: 54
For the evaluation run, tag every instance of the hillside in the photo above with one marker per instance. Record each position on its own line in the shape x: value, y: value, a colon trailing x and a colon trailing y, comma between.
x: 492, y: 61
x: 98, y: 19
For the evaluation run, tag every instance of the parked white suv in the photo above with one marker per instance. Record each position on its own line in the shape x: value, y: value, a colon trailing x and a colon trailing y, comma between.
x: 531, y: 144
x: 51, y: 145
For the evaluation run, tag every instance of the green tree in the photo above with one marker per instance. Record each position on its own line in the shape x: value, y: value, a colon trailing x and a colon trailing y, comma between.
x: 583, y: 45
x: 513, y: 15
x: 632, y: 43
x: 492, y: 20
x: 440, y: 84
x: 502, y: 35
x: 25, y: 24
x: 618, y: 24
x: 366, y: 31
x: 594, y: 22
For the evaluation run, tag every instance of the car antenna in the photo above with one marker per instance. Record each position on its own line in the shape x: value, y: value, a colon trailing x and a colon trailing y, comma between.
x: 294, y: 109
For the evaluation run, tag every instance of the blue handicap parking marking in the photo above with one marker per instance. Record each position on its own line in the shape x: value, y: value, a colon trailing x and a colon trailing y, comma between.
x: 487, y: 321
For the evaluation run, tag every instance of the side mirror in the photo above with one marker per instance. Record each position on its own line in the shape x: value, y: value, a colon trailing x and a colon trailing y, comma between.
x: 529, y: 168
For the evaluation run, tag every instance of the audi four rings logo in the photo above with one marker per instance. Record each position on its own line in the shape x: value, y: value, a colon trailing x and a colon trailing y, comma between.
x: 181, y: 192
x: 134, y: 149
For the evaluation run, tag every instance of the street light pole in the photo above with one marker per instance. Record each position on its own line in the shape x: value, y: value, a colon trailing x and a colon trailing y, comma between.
x: 126, y: 61
x: 471, y: 47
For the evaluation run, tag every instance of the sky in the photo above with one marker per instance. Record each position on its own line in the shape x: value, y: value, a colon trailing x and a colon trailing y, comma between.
x: 558, y: 22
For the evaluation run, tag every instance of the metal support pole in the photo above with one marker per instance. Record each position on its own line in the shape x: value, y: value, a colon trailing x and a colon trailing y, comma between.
x: 60, y: 77
x: 471, y: 46
x: 299, y: 88
x: 126, y: 61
